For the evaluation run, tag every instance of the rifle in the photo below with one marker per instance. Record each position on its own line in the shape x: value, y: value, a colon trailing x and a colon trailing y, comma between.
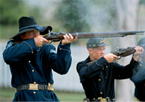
x: 122, y: 52
x: 59, y: 36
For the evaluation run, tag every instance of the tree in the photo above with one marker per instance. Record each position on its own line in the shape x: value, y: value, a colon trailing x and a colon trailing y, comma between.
x: 71, y: 14
x: 126, y: 15
x: 10, y: 11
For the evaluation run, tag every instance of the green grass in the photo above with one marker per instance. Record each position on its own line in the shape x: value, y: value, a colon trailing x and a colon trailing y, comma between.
x: 7, y: 94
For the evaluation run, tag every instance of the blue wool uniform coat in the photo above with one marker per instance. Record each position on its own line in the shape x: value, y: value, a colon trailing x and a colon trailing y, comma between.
x: 138, y: 79
x: 31, y: 64
x: 98, y: 78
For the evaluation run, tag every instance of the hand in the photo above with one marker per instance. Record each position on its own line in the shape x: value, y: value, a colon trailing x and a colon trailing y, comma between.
x: 139, y: 51
x: 68, y: 38
x: 40, y: 41
x: 110, y: 57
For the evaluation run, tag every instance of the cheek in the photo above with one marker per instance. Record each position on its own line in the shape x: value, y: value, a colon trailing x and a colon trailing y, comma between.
x: 27, y: 37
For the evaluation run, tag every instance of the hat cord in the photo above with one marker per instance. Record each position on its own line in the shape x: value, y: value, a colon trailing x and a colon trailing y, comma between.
x: 33, y: 26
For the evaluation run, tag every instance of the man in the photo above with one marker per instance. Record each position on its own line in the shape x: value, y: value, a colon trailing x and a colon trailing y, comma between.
x: 138, y: 77
x: 98, y: 77
x: 32, y: 60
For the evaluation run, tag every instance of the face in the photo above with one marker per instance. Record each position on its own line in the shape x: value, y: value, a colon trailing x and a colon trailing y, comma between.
x: 30, y: 34
x: 96, y: 53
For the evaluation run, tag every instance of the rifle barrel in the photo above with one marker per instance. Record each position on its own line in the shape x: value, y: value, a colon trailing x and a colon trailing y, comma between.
x: 106, y: 34
x: 59, y: 36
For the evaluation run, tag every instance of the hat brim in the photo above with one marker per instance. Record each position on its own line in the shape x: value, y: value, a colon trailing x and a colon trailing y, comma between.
x: 44, y: 31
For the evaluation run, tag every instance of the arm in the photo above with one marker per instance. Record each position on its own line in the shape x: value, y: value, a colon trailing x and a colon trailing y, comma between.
x: 61, y: 61
x: 139, y: 72
x: 17, y: 52
x: 123, y: 72
x: 92, y: 70
x: 138, y: 77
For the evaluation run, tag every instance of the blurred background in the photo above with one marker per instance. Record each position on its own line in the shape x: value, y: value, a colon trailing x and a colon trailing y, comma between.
x: 74, y: 16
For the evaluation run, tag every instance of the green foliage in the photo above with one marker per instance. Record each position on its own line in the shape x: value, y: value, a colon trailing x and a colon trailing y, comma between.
x: 71, y: 14
x: 142, y: 2
x: 7, y: 31
x: 11, y: 11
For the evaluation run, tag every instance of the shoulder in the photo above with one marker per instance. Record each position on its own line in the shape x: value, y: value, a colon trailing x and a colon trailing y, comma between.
x: 10, y: 43
x: 49, y: 48
x: 81, y: 64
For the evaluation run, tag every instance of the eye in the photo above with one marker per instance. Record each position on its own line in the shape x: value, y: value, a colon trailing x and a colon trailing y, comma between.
x: 31, y: 33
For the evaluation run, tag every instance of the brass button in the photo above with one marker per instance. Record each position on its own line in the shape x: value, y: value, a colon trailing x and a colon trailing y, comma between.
x: 101, y: 93
x: 99, y: 79
x: 106, y: 66
x: 32, y: 52
x: 60, y: 49
x: 32, y: 70
x: 34, y: 82
x: 34, y: 92
x: 29, y: 61
x: 102, y: 68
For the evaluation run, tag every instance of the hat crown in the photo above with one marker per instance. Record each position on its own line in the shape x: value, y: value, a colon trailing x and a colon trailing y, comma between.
x: 26, y: 21
x: 95, y: 42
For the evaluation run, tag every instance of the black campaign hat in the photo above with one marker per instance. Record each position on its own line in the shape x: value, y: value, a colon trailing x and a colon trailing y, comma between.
x: 29, y: 24
x: 95, y: 42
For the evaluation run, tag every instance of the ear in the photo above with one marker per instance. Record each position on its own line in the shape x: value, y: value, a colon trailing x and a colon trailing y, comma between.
x: 90, y: 50
x: 22, y: 36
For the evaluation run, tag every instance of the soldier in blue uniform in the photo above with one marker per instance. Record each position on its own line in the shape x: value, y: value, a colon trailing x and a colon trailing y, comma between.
x: 138, y: 77
x: 98, y: 77
x: 32, y: 59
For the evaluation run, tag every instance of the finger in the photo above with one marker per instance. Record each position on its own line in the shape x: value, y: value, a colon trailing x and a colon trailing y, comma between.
x: 75, y: 38
x: 67, y: 37
x: 71, y: 37
x: 115, y: 56
x: 64, y: 36
x: 45, y: 40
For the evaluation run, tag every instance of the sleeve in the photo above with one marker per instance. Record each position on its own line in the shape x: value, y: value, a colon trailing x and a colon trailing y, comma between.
x: 138, y: 77
x: 61, y: 61
x: 15, y: 52
x: 92, y: 70
x: 123, y: 72
x: 138, y: 73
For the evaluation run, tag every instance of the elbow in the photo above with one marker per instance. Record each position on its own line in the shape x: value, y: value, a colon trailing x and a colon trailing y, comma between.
x: 64, y: 71
x: 6, y: 58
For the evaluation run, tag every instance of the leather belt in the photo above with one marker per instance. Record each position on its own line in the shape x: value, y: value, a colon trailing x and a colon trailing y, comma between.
x: 35, y: 87
x: 99, y: 99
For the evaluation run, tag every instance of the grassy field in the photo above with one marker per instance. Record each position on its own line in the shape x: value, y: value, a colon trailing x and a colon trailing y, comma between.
x: 7, y: 94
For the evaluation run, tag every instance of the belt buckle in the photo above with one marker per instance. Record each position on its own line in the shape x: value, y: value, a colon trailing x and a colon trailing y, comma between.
x: 102, y: 99
x: 33, y: 86
x: 50, y: 87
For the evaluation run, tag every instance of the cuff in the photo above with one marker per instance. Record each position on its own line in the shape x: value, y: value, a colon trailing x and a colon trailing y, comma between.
x: 65, y: 47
